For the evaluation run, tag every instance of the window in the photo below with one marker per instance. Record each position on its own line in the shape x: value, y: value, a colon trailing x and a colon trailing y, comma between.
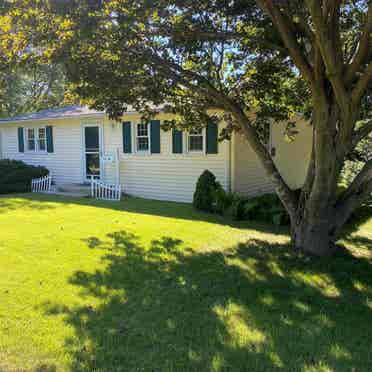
x: 36, y: 139
x: 196, y: 140
x: 42, y: 139
x: 142, y: 137
x: 31, y: 146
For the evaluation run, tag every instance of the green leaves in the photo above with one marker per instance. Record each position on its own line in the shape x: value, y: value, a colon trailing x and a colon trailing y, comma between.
x: 118, y: 53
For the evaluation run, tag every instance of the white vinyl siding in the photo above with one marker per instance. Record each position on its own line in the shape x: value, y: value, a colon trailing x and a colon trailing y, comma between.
x: 1, y: 145
x: 248, y: 175
x: 164, y: 176
x: 65, y: 163
x: 292, y: 158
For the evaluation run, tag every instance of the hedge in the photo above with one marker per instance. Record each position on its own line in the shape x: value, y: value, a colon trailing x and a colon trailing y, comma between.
x: 16, y: 176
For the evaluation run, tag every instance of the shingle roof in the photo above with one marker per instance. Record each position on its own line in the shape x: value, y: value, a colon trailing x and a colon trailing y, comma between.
x: 64, y: 112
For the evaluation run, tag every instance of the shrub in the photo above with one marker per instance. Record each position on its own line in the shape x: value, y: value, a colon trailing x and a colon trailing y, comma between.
x: 205, y: 192
x: 16, y: 176
x: 238, y: 212
x: 222, y: 200
x: 210, y: 196
x: 265, y: 208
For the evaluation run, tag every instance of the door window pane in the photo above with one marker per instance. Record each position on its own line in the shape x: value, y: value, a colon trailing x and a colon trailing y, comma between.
x: 92, y: 165
x: 92, y: 139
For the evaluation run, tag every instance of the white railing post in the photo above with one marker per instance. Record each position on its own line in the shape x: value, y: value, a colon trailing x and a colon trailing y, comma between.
x: 42, y: 184
x: 100, y: 190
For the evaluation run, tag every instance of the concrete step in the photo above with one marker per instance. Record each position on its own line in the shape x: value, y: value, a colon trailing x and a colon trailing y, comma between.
x: 74, y: 188
x: 71, y: 190
x: 71, y: 194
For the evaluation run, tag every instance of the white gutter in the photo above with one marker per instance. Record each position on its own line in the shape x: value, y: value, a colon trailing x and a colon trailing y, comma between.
x: 83, y: 116
x: 87, y: 116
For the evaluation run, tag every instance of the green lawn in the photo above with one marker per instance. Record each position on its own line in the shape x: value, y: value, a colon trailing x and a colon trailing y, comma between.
x: 152, y: 286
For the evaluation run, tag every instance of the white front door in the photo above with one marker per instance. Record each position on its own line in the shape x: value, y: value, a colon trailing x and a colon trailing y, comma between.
x: 92, y: 152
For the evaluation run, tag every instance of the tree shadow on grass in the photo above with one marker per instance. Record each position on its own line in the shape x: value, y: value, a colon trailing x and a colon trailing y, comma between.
x: 182, y: 211
x: 358, y: 218
x: 14, y: 202
x: 254, y: 307
x: 175, y: 210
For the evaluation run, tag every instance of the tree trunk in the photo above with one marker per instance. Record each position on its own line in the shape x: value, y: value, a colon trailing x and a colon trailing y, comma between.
x: 313, y: 221
x: 315, y: 237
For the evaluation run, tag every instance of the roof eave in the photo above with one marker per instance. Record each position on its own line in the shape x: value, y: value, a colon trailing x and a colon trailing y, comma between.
x: 83, y: 116
x: 53, y: 118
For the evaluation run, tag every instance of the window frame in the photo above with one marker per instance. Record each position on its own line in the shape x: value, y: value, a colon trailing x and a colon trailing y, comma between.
x: 36, y: 139
x: 147, y: 151
x: 27, y: 135
x: 44, y: 139
x: 202, y: 134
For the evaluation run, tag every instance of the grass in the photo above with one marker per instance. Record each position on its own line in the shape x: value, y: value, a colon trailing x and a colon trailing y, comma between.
x: 154, y: 286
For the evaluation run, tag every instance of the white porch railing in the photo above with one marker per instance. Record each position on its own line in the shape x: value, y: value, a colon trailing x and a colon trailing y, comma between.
x: 104, y: 191
x: 43, y: 184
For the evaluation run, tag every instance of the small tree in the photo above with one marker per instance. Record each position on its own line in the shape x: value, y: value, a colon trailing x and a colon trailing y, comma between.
x: 205, y: 192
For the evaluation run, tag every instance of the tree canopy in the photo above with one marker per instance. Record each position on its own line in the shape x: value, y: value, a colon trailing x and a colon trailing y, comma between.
x: 33, y: 88
x: 273, y: 58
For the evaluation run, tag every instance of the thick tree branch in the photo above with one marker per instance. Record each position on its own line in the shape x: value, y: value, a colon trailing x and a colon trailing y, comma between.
x: 361, y: 85
x: 287, y: 196
x: 363, y: 48
x: 357, y: 192
x: 281, y: 23
x: 364, y: 175
x: 224, y: 102
x: 361, y: 133
x: 329, y: 53
x: 190, y: 34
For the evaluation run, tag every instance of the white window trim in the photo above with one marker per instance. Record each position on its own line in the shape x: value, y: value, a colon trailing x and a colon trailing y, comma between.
x: 45, y: 139
x: 36, y: 139
x: 196, y: 152
x: 27, y: 139
x: 137, y: 151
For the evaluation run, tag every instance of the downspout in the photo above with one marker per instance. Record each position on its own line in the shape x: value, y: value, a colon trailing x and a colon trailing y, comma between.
x: 232, y: 163
x: 117, y: 165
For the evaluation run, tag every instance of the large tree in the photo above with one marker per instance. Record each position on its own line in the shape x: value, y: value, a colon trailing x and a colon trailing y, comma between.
x: 28, y: 80
x: 276, y: 58
x: 32, y: 87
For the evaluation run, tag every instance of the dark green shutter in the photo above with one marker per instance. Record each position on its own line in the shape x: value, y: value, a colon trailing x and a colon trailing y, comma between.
x: 155, y: 136
x: 127, y: 137
x: 212, y: 138
x: 177, y: 141
x: 21, y: 140
x: 49, y: 138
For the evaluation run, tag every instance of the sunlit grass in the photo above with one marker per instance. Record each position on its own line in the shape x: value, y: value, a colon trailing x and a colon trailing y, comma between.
x: 153, y: 286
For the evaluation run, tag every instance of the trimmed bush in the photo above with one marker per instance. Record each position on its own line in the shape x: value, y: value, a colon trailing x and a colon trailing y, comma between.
x: 16, y: 176
x: 205, y: 192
